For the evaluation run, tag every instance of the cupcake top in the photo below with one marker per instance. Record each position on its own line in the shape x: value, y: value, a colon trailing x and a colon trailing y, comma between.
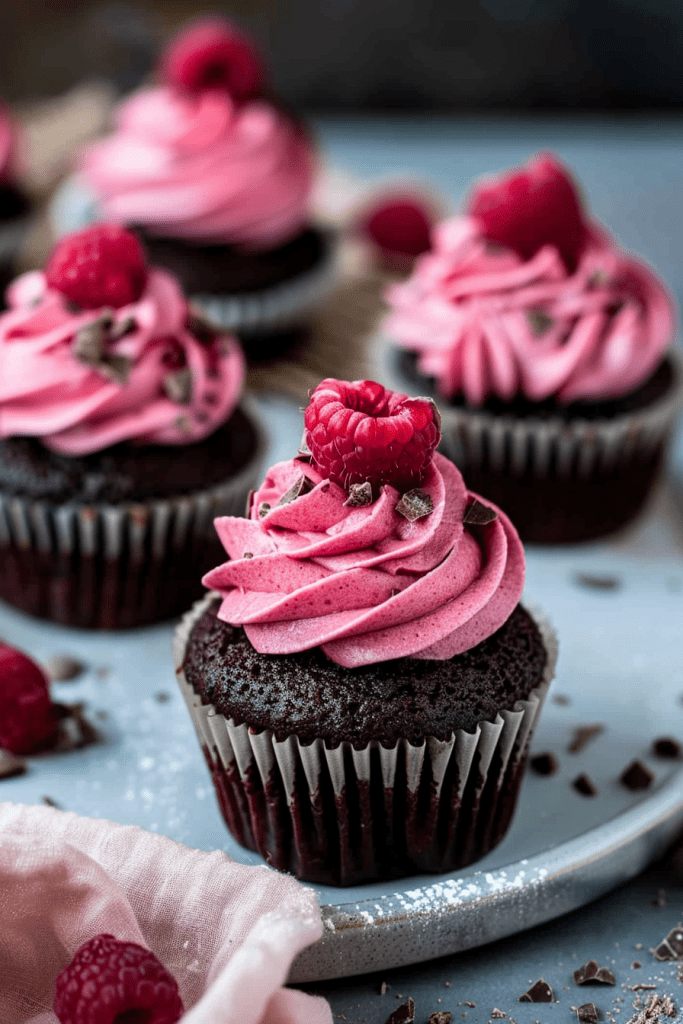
x: 368, y: 543
x: 204, y: 157
x: 100, y: 348
x: 526, y: 295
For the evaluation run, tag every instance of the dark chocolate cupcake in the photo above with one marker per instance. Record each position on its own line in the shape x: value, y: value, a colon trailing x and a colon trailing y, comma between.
x: 217, y: 180
x: 547, y: 348
x: 121, y: 437
x: 365, y: 684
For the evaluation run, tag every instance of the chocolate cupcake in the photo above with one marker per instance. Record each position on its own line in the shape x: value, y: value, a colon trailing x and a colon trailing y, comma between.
x: 365, y: 682
x: 216, y: 178
x: 121, y: 437
x: 548, y: 350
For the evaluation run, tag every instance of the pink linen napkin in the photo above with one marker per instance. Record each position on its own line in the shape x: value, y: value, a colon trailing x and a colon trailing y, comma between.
x: 226, y: 932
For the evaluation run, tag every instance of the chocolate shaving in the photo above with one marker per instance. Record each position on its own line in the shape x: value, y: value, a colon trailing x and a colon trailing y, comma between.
x: 478, y: 514
x: 62, y: 668
x: 671, y: 946
x: 583, y: 734
x: 248, y: 554
x: 636, y: 776
x: 10, y: 765
x: 667, y: 748
x: 541, y: 992
x: 178, y: 386
x: 116, y: 368
x: 359, y: 495
x: 301, y: 486
x: 498, y: 1014
x: 583, y: 785
x: 539, y: 321
x: 304, y: 453
x: 440, y: 1017
x: 588, y: 1013
x: 415, y: 505
x: 89, y: 342
x: 404, y: 1014
x: 75, y: 731
x: 544, y: 764
x: 592, y: 972
x: 122, y: 328
x: 264, y: 509
x: 594, y: 581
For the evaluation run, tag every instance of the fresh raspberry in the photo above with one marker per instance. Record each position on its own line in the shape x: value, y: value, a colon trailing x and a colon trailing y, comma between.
x: 531, y: 207
x: 100, y: 266
x: 213, y: 54
x: 109, y: 982
x: 28, y: 720
x: 400, y: 227
x: 358, y: 430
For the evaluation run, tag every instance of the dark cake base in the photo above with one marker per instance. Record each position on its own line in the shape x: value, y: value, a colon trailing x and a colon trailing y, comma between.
x: 366, y: 830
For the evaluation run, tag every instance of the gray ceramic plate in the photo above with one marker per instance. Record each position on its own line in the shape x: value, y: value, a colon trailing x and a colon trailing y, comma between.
x: 619, y: 666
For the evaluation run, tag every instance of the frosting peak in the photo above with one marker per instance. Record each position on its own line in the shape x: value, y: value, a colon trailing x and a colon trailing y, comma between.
x: 365, y: 583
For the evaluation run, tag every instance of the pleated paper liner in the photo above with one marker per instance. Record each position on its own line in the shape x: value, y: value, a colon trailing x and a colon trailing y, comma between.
x: 342, y: 816
x: 114, y: 566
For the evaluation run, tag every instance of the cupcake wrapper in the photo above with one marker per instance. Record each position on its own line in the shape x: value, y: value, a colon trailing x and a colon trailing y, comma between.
x: 279, y: 307
x: 311, y: 810
x: 111, y: 566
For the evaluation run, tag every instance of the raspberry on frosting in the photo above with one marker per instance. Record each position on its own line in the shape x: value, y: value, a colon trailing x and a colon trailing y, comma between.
x: 358, y: 432
x: 400, y: 227
x: 109, y: 982
x: 28, y: 720
x: 102, y: 265
x: 213, y: 54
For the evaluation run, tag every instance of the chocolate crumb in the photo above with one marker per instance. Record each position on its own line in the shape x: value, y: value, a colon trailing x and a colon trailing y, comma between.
x: 636, y: 776
x: 415, y: 505
x: 75, y: 731
x: 641, y: 987
x: 248, y: 554
x: 359, y: 495
x: 583, y: 735
x: 301, y: 486
x: 383, y: 988
x: 660, y: 899
x: 583, y: 785
x: 264, y: 509
x: 592, y: 972
x: 561, y: 699
x: 178, y: 386
x: 636, y: 965
x: 471, y: 1005
x: 588, y: 1013
x: 544, y: 764
x: 654, y: 1010
x: 162, y: 696
x: 62, y: 668
x: 593, y: 581
x: 478, y: 514
x: 666, y: 747
x: 671, y: 946
x: 541, y: 992
x: 440, y: 1017
x: 49, y: 802
x: 10, y: 764
x: 122, y: 328
x: 497, y: 1014
x: 404, y: 1014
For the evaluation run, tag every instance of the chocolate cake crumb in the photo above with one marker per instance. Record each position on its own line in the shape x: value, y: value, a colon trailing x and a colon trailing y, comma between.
x: 440, y: 1017
x: 583, y: 734
x: 595, y: 581
x: 49, y: 802
x: 541, y: 992
x: 592, y: 972
x: 10, y: 765
x: 636, y: 776
x: 660, y: 899
x: 583, y: 785
x: 544, y: 764
x: 636, y: 965
x: 665, y: 747
x: 671, y: 946
x: 62, y: 668
x: 588, y: 1013
x: 471, y: 1005
x: 404, y: 1014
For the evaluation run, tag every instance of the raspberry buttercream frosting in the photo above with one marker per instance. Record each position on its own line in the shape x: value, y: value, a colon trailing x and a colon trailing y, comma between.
x: 309, y: 568
x: 524, y: 295
x: 83, y: 380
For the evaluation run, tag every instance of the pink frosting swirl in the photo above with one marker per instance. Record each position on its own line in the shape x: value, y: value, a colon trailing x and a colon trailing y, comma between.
x: 204, y: 168
x: 483, y: 321
x: 76, y: 407
x: 363, y: 583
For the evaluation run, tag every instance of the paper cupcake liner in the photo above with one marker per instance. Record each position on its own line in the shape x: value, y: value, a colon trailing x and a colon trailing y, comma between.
x: 279, y: 307
x: 113, y: 566
x: 343, y: 815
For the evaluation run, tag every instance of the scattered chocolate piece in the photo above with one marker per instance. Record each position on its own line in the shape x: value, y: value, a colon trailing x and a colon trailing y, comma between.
x: 10, y: 765
x: 122, y: 328
x: 594, y: 581
x: 440, y: 1017
x: 544, y: 764
x: 116, y: 368
x: 415, y: 505
x: 304, y: 453
x: 162, y: 696
x: 89, y: 342
x: 301, y: 486
x: 471, y: 1005
x: 178, y: 386
x: 541, y: 992
x: 583, y: 734
x: 539, y: 321
x: 75, y: 731
x: 49, y: 802
x: 201, y: 328
x: 248, y: 554
x: 478, y: 514
x: 660, y: 899
x: 497, y: 1014
x: 359, y: 495
x: 583, y: 785
x: 591, y: 971
x: 640, y: 987
x: 383, y: 988
x: 671, y: 946
x: 666, y: 747
x: 636, y: 965
x: 636, y: 776
x: 588, y: 1013
x: 264, y: 509
x: 404, y: 1014
x: 62, y: 668
x: 561, y: 699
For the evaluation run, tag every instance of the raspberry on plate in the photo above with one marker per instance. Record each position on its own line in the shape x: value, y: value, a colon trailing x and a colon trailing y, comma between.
x: 28, y: 720
x: 109, y: 981
x: 213, y: 54
x: 358, y: 432
x: 103, y: 265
